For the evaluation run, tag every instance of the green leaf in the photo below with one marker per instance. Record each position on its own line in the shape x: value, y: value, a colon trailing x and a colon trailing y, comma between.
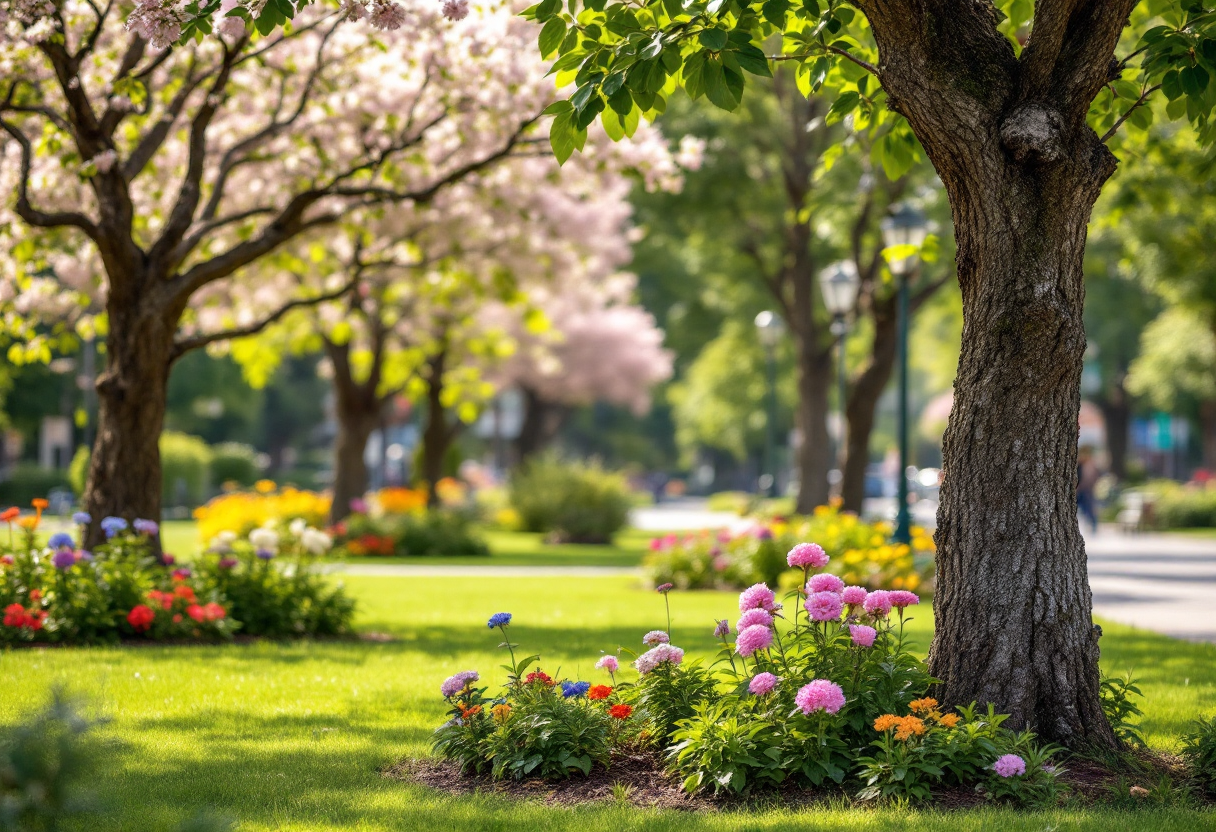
x: 547, y: 8
x: 551, y: 36
x: 621, y: 101
x: 774, y: 12
x: 713, y: 39
x: 716, y: 88
x: 841, y: 107
x: 652, y: 48
x: 563, y: 106
x: 752, y: 59
x: 581, y: 96
x: 561, y: 136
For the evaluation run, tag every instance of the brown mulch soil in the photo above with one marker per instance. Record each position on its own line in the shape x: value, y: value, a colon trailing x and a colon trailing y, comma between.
x: 647, y: 785
x: 377, y: 638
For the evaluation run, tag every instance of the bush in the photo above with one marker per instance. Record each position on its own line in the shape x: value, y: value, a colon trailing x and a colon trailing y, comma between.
x: 861, y: 553
x: 1184, y: 507
x: 797, y: 697
x: 241, y: 512
x: 440, y: 531
x: 573, y: 502
x: 185, y: 462
x: 1199, y: 749
x: 1120, y: 710
x: 120, y: 590
x: 233, y: 463
x: 28, y: 482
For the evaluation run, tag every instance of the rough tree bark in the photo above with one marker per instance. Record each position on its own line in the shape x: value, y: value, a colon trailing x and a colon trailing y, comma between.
x: 1207, y: 430
x: 1022, y: 169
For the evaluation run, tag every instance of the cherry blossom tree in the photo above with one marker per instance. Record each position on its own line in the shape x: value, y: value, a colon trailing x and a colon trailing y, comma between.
x: 137, y: 177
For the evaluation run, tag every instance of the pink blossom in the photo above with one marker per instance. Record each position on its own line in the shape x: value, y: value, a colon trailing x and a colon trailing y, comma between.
x: 820, y: 695
x: 455, y: 684
x: 352, y: 10
x: 863, y: 636
x: 807, y: 555
x: 824, y: 606
x: 757, y: 596
x: 878, y: 603
x: 455, y: 9
x: 608, y: 663
x: 655, y: 637
x: 104, y: 161
x: 824, y: 583
x: 654, y: 657
x: 853, y: 595
x: 388, y: 16
x: 231, y: 28
x: 753, y: 638
x: 901, y: 598
x: 156, y: 21
x: 762, y: 684
x: 1009, y: 765
x: 655, y: 544
x: 721, y: 563
x: 753, y: 617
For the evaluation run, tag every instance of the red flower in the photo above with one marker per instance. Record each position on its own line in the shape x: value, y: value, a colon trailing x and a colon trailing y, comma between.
x: 539, y: 676
x: 140, y: 618
x: 35, y: 594
x: 164, y: 599
x: 195, y: 612
x: 10, y: 514
x: 214, y: 612
x: 183, y: 591
x: 466, y: 711
x: 7, y: 560
x: 620, y: 711
x: 599, y: 692
x: 177, y: 619
x: 34, y: 620
x: 14, y: 615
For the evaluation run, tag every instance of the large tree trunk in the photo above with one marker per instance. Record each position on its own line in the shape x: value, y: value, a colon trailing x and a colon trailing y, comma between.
x: 358, y: 406
x: 124, y: 471
x: 541, y: 423
x: 1116, y: 410
x: 815, y: 452
x: 864, y: 394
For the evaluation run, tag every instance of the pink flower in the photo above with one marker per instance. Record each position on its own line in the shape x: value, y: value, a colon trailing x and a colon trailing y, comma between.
x: 157, y: 22
x: 753, y: 638
x: 231, y: 28
x: 721, y: 563
x: 853, y: 595
x: 824, y: 583
x: 751, y: 618
x: 807, y: 554
x: 656, y: 544
x: 1009, y: 765
x: 455, y: 9
x: 352, y: 10
x: 608, y: 663
x: 388, y: 16
x: 757, y: 596
x: 863, y: 636
x: 820, y: 695
x: 878, y: 603
x: 655, y: 637
x: 901, y: 598
x: 762, y: 684
x: 651, y: 659
x: 824, y: 606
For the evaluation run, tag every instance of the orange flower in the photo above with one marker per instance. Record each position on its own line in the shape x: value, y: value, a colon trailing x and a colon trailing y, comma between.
x: 501, y: 712
x: 948, y: 721
x: 10, y: 514
x: 599, y: 692
x: 922, y: 706
x: 886, y: 722
x: 909, y: 727
x: 466, y: 711
x: 28, y: 522
x: 620, y: 711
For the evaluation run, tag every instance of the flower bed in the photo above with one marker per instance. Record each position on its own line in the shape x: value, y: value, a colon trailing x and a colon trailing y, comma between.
x: 260, y: 586
x: 861, y: 553
x: 825, y: 696
x: 396, y: 522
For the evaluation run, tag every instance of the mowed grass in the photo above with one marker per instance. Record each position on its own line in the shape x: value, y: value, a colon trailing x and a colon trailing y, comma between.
x: 292, y: 736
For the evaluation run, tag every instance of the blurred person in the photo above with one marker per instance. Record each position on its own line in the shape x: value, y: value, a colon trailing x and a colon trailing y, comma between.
x: 1087, y: 481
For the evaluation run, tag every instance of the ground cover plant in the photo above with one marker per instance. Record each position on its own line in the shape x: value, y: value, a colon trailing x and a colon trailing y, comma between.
x: 571, y: 502
x: 293, y: 736
x: 862, y: 554
x: 53, y: 590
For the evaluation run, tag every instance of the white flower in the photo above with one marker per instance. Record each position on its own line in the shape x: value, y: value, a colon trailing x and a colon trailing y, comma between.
x: 231, y: 28
x: 297, y: 527
x: 316, y: 542
x: 267, y: 539
x: 104, y: 161
x: 691, y: 153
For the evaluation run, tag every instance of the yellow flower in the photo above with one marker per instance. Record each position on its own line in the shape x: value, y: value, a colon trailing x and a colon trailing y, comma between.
x: 922, y: 706
x: 264, y: 486
x: 948, y: 720
x: 501, y: 713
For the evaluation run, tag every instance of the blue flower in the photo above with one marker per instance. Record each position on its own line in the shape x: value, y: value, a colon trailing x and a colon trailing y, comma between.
x: 575, y: 689
x: 148, y: 527
x: 62, y: 540
x: 64, y: 559
x: 499, y: 619
x: 264, y: 554
x: 82, y: 518
x: 112, y: 526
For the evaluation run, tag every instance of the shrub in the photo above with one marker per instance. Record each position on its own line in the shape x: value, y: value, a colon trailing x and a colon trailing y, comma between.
x: 27, y: 482
x: 233, y: 463
x: 431, y: 532
x: 1120, y: 710
x: 573, y: 502
x: 78, y: 471
x: 861, y: 552
x: 185, y: 461
x: 119, y: 590
x: 243, y: 511
x: 1185, y: 507
x: 1199, y: 748
x: 722, y: 749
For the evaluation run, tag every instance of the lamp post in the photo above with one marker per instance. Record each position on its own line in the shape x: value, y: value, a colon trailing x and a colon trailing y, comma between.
x: 903, y: 230
x: 838, y: 284
x: 769, y: 328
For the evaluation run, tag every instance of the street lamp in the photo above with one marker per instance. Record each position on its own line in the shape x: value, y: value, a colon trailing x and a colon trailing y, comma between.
x: 838, y: 284
x: 904, y: 230
x: 769, y: 328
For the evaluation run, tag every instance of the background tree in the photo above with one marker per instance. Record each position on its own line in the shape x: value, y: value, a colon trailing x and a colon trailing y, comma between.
x: 139, y: 176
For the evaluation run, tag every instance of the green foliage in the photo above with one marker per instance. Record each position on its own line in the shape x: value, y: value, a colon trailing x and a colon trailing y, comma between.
x: 724, y: 748
x: 185, y: 462
x: 575, y: 502
x: 671, y: 693
x: 1178, y: 506
x: 1177, y: 362
x: 232, y: 462
x: 28, y: 481
x: 1199, y: 748
x: 1121, y: 710
x: 548, y: 735
x: 433, y: 532
x: 78, y: 471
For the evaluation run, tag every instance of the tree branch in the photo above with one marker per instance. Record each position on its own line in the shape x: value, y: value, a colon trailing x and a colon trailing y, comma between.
x: 27, y: 212
x: 1119, y: 123
x: 844, y: 53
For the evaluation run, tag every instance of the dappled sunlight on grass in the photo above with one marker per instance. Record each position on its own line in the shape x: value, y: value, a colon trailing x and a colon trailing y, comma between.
x: 291, y: 736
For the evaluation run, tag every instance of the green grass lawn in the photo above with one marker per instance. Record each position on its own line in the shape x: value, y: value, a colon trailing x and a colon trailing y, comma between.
x: 291, y: 736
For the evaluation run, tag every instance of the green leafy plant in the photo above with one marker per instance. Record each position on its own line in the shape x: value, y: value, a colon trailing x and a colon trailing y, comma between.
x: 548, y: 735
x: 1122, y: 712
x: 1199, y: 749
x: 574, y: 502
x: 724, y: 748
x: 671, y: 693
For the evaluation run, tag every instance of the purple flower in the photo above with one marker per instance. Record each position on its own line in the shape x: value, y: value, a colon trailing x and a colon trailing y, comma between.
x: 751, y: 618
x: 863, y: 636
x: 64, y: 559
x: 112, y: 526
x: 756, y: 637
x: 455, y: 684
x: 608, y: 663
x: 655, y: 656
x: 228, y: 563
x: 182, y: 573
x: 824, y: 583
x: 764, y: 533
x: 84, y: 554
x: 358, y: 506
x: 901, y: 598
x: 264, y: 554
x: 853, y: 595
x: 1009, y: 765
x: 722, y: 628
x: 820, y: 695
x: 757, y: 595
x: 762, y: 684
x: 664, y: 588
x: 167, y: 559
x: 147, y: 527
x: 60, y: 541
x: 878, y: 603
x: 655, y: 637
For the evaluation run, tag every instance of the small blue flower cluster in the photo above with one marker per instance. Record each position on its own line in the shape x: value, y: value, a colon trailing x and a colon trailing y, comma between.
x: 61, y: 540
x: 499, y: 619
x: 112, y: 526
x: 575, y: 689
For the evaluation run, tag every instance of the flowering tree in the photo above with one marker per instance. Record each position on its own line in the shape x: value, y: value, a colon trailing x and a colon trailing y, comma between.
x: 137, y: 177
x: 601, y: 347
x: 1016, y: 104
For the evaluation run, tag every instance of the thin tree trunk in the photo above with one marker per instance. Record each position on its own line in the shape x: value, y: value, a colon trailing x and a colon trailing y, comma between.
x: 541, y: 423
x: 358, y: 406
x: 1116, y: 410
x: 437, y: 436
x: 125, y: 472
x: 864, y: 393
x: 815, y: 452
x: 1207, y: 430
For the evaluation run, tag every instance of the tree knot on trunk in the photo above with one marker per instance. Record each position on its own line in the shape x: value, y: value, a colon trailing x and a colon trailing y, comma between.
x: 1034, y: 134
